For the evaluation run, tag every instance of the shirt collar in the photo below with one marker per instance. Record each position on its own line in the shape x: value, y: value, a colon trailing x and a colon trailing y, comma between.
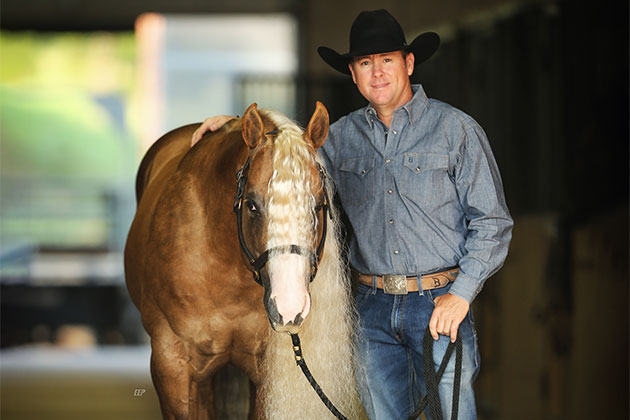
x: 417, y: 104
x: 370, y: 115
x: 414, y: 107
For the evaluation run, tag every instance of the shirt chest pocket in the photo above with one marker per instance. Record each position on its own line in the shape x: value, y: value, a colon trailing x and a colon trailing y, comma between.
x: 356, y: 179
x: 425, y: 178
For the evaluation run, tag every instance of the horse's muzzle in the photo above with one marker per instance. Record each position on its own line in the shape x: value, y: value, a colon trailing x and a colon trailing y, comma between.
x: 277, y: 321
x: 287, y: 298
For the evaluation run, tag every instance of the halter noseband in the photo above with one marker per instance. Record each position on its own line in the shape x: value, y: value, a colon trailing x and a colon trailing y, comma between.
x: 257, y: 264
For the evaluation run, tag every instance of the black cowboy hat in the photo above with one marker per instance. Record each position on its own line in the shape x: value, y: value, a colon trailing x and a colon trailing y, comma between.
x: 377, y: 31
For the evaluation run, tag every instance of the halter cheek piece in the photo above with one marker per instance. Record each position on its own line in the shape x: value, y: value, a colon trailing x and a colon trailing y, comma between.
x: 258, y: 263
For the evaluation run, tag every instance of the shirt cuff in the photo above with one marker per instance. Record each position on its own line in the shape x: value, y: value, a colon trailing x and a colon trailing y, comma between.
x: 466, y: 287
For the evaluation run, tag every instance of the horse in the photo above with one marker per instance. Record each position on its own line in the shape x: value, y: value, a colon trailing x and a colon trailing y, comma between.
x: 189, y: 265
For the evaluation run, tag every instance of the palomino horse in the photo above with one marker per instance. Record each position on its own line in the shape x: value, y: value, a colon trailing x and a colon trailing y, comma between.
x: 192, y: 281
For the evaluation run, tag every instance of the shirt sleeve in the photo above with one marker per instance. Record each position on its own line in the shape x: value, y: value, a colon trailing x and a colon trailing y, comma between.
x: 480, y: 192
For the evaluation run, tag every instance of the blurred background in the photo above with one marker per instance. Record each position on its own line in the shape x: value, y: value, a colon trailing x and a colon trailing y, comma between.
x: 86, y: 86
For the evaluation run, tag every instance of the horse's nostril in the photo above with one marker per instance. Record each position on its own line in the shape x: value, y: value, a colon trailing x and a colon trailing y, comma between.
x: 298, y: 319
x: 273, y: 313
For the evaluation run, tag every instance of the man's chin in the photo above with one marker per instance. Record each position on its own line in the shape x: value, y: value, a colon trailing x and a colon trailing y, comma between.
x: 380, y: 100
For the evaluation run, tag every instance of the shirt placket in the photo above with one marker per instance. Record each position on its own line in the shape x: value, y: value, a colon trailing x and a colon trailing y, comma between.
x: 392, y: 195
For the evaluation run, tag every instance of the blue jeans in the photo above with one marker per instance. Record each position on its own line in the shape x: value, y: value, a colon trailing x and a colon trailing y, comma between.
x: 390, y: 364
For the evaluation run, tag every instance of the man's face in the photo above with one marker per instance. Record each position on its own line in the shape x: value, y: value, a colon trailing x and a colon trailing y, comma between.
x: 383, y: 79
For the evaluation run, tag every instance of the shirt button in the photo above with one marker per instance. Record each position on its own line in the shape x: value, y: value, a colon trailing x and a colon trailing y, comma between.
x: 389, y: 191
x: 391, y: 221
x: 418, y: 169
x: 387, y: 160
x: 396, y: 252
x: 394, y: 131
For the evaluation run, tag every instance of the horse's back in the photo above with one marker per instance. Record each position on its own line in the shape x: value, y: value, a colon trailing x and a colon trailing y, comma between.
x: 172, y: 146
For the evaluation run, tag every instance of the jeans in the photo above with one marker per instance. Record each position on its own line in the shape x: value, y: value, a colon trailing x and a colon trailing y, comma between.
x: 390, y: 364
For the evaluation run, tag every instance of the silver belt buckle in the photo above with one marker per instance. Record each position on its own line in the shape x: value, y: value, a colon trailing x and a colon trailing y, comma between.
x: 395, y: 284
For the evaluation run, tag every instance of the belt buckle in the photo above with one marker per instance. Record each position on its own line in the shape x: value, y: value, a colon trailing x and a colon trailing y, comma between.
x: 395, y: 284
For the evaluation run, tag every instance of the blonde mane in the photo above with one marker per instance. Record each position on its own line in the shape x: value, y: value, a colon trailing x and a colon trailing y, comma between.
x: 327, y: 333
x: 291, y: 216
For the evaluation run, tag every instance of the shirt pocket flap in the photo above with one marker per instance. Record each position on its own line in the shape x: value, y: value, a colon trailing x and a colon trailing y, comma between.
x: 421, y: 162
x: 360, y: 166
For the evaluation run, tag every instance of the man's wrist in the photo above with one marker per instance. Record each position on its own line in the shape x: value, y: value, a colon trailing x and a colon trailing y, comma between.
x: 465, y: 287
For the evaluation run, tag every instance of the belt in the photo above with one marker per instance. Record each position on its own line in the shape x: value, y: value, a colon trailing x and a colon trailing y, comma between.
x: 401, y: 285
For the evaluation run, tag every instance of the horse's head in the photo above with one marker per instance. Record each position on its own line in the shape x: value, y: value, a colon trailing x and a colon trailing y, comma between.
x: 282, y: 190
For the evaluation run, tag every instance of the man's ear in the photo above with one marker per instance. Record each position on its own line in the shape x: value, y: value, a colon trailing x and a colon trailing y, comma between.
x: 409, y: 62
x: 352, y: 71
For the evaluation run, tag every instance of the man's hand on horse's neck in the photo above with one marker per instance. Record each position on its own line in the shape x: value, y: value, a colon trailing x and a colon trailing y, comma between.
x: 210, y: 124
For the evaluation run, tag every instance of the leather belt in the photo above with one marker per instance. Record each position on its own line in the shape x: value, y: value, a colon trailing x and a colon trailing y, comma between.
x: 401, y: 285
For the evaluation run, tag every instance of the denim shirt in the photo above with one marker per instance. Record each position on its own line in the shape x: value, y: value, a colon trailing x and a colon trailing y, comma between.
x: 422, y: 196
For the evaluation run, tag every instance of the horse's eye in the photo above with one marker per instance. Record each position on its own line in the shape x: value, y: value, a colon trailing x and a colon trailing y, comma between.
x: 251, y: 206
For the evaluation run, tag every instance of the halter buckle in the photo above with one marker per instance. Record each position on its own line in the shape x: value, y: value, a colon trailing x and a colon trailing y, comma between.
x: 257, y: 277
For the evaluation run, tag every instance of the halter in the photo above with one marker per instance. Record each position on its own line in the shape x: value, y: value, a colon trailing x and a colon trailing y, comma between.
x: 258, y: 263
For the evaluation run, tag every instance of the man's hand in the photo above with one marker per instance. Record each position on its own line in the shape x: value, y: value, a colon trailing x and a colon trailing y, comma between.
x: 449, y: 312
x: 209, y: 124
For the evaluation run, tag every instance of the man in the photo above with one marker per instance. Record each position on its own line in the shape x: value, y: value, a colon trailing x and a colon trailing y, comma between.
x: 422, y: 191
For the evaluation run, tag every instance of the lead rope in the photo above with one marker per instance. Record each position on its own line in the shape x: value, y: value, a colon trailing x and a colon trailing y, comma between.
x: 299, y: 359
x: 432, y: 379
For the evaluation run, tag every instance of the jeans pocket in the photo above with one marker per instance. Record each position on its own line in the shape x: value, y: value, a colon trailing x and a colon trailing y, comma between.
x: 435, y: 293
x: 362, y: 295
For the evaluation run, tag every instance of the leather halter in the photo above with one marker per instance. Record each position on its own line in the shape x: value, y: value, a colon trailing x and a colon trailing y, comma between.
x: 258, y: 263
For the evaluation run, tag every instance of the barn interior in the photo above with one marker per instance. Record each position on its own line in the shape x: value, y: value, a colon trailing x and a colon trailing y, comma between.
x: 86, y: 86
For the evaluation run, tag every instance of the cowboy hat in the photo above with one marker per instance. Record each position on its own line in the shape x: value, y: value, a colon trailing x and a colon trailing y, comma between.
x: 377, y: 31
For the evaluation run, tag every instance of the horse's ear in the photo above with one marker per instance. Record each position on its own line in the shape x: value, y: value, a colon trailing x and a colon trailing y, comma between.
x: 252, y: 126
x: 317, y: 129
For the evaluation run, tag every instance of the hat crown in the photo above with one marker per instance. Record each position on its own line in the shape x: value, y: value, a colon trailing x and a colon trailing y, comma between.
x: 375, y: 32
x: 375, y: 28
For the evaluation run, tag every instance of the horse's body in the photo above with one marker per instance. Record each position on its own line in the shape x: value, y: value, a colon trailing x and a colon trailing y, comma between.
x: 188, y: 277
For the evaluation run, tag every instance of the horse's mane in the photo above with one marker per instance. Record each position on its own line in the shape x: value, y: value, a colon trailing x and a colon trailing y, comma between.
x: 291, y: 216
x: 327, y: 333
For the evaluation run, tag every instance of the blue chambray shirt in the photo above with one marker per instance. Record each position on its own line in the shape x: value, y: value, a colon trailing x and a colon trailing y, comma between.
x: 422, y: 196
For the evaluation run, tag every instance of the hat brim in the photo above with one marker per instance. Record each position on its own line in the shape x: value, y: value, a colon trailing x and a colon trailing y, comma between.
x: 422, y: 47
